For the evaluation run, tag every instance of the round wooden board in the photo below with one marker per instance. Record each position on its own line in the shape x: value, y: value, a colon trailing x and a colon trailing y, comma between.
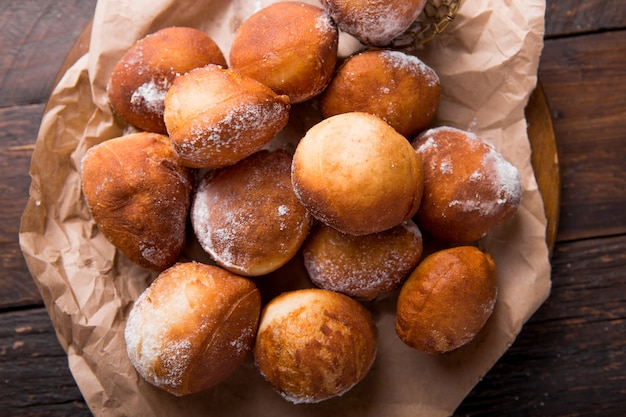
x: 545, y: 160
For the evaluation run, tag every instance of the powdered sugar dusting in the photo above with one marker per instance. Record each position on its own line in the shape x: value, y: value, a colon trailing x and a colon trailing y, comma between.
x: 222, y: 237
x: 175, y: 357
x: 507, y: 183
x: 499, y: 175
x: 282, y: 211
x: 426, y: 145
x: 223, y: 240
x: 149, y: 344
x: 364, y: 266
x: 241, y: 344
x: 485, y: 208
x: 412, y: 228
x: 476, y: 176
x: 151, y: 252
x: 357, y: 281
x: 411, y: 63
x: 446, y: 166
x: 233, y: 130
x: 150, y: 95
x: 247, y: 216
x: 324, y: 24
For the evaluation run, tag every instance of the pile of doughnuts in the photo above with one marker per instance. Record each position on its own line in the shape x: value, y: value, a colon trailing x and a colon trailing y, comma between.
x: 357, y: 198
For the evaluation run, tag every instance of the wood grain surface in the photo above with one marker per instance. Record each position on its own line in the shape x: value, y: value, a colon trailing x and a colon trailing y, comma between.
x: 569, y: 358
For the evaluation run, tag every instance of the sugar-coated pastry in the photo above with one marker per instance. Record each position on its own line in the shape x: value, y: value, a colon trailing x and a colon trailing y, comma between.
x: 216, y: 117
x: 469, y: 187
x: 355, y: 173
x: 374, y: 22
x: 143, y: 75
x: 247, y: 216
x: 447, y: 300
x: 314, y: 344
x: 363, y: 267
x: 139, y: 197
x: 290, y: 47
x: 192, y: 327
x: 393, y: 85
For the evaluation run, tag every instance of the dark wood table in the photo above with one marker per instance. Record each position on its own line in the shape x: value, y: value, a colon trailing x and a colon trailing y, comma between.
x: 570, y: 358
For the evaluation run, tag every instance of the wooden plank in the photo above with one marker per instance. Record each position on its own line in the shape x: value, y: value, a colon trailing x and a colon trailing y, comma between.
x: 18, y: 131
x: 570, y: 358
x: 34, y: 37
x: 580, y: 77
x: 35, y: 378
x: 570, y: 17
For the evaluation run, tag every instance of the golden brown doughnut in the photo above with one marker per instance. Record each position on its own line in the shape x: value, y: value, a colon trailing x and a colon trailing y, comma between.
x: 314, y: 344
x: 216, y: 117
x: 469, y: 188
x: 395, y: 86
x: 247, y: 216
x: 355, y: 173
x: 142, y: 76
x: 289, y: 46
x: 362, y: 267
x: 374, y: 22
x: 192, y: 327
x: 447, y: 300
x: 139, y: 196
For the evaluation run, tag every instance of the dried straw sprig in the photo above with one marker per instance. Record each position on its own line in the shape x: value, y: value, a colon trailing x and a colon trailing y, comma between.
x: 435, y: 17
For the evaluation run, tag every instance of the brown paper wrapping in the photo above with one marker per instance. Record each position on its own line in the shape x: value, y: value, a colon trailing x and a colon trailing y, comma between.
x: 487, y: 61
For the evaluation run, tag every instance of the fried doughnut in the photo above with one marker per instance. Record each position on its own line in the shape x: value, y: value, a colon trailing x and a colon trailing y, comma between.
x: 395, y: 86
x: 314, y: 344
x: 192, y: 327
x: 447, y: 300
x: 247, y: 216
x: 355, y: 173
x: 143, y: 75
x: 139, y: 195
x: 216, y: 117
x: 376, y: 22
x: 469, y: 188
x: 363, y: 267
x: 290, y: 47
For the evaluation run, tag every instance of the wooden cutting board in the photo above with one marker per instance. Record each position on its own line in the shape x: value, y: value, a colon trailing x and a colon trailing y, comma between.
x: 544, y: 156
